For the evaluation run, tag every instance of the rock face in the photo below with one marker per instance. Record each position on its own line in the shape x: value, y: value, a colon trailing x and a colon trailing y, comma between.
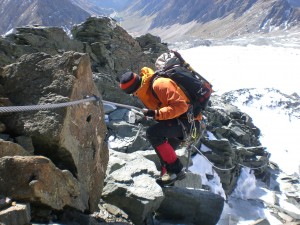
x: 130, y: 185
x: 185, y: 205
x: 59, y: 158
x: 42, y: 65
x: 37, y: 180
x: 236, y: 142
x: 16, y: 214
x: 111, y: 49
x: 8, y: 148
x: 72, y: 137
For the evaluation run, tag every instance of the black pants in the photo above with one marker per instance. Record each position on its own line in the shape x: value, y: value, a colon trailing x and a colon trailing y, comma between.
x: 170, y: 130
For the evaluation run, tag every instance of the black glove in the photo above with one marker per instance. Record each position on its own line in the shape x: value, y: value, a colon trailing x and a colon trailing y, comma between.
x: 149, y: 112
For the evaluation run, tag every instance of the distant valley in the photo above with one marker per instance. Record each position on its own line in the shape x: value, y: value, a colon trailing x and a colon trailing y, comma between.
x: 195, y: 21
x: 206, y: 19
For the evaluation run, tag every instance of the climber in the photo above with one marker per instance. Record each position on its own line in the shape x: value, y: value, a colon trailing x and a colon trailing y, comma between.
x: 167, y: 104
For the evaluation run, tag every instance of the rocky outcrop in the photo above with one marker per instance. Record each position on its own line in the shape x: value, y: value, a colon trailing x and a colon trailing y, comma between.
x: 38, y: 181
x: 8, y: 148
x: 130, y: 185
x: 236, y: 140
x: 34, y: 39
x: 152, y: 45
x: 71, y: 137
x: 15, y: 214
x: 42, y: 65
x: 111, y: 49
x: 190, y: 206
x: 63, y: 153
x: 230, y: 142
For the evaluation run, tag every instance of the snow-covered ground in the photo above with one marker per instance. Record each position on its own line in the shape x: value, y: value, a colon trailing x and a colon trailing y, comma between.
x: 235, y: 67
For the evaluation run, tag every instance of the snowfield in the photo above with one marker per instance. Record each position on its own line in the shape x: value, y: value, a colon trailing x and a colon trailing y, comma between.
x: 264, y: 69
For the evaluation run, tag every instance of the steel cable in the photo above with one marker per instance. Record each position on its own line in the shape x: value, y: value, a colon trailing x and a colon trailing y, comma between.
x: 9, y: 109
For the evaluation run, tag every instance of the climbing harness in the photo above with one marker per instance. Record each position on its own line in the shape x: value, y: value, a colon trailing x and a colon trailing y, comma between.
x: 192, y: 138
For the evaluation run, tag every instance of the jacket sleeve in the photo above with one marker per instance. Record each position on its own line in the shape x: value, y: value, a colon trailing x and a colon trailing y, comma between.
x: 172, y: 103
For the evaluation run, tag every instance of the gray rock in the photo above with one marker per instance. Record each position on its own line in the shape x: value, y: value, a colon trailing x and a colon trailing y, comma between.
x: 108, y: 108
x: 72, y: 137
x: 38, y: 181
x: 5, y: 202
x: 17, y: 214
x: 8, y: 148
x: 26, y: 143
x: 191, y: 180
x: 2, y: 127
x: 128, y: 136
x: 131, y: 186
x: 191, y: 206
x: 119, y: 115
x: 261, y: 222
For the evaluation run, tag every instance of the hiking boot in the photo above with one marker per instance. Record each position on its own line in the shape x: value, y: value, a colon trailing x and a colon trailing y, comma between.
x: 169, y: 178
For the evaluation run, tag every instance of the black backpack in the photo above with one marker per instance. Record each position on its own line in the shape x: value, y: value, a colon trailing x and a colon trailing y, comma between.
x: 195, y: 87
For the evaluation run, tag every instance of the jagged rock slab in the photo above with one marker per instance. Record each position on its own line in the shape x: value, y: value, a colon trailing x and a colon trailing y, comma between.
x: 18, y: 214
x: 71, y: 136
x: 8, y: 148
x: 37, y: 180
x: 191, y: 206
x: 131, y: 186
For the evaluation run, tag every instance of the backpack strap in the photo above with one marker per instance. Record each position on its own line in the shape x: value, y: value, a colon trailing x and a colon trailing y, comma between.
x: 157, y: 74
x: 153, y: 78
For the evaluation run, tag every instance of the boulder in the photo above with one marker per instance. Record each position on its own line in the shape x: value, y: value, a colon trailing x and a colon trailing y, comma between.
x: 2, y: 127
x: 127, y: 137
x: 37, y: 180
x: 8, y: 148
x: 26, y: 143
x: 152, y: 45
x: 33, y: 39
x: 17, y: 214
x: 113, y: 47
x: 131, y: 186
x: 191, y: 206
x: 71, y: 136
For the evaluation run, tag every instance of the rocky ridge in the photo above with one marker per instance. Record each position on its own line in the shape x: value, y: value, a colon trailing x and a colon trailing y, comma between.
x: 66, y: 169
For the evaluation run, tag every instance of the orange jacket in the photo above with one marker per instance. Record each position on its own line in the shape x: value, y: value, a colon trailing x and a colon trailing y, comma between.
x: 172, y: 101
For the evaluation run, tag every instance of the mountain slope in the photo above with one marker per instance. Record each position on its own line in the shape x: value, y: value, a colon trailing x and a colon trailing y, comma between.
x: 209, y: 18
x: 92, y: 7
x: 105, y: 4
x: 278, y: 117
x: 61, y: 13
